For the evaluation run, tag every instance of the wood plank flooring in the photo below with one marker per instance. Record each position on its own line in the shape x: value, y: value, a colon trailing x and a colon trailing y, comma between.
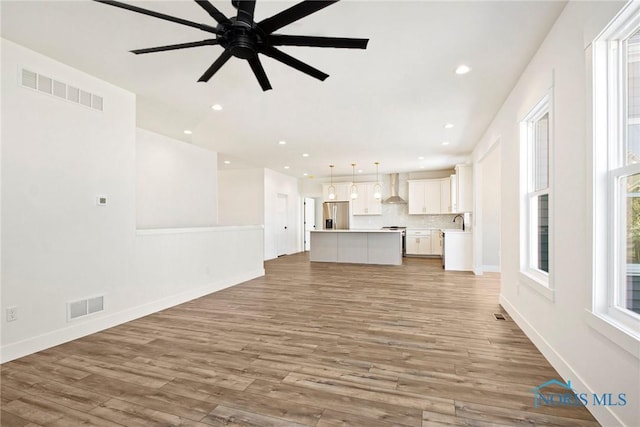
x: 309, y: 344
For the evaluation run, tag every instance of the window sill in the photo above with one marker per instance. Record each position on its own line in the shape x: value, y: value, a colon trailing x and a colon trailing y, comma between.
x: 614, y: 331
x: 535, y: 283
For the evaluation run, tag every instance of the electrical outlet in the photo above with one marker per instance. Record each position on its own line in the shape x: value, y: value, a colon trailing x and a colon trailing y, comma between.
x: 12, y: 314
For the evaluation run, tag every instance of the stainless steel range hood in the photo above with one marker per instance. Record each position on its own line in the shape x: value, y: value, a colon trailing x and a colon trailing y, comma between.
x: 395, y: 198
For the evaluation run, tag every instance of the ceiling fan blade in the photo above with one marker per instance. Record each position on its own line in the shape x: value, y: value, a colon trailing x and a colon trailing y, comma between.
x: 256, y: 66
x: 213, y: 12
x: 245, y: 10
x: 293, y: 62
x: 175, y: 46
x: 337, y: 42
x: 222, y: 59
x: 159, y: 15
x: 292, y: 14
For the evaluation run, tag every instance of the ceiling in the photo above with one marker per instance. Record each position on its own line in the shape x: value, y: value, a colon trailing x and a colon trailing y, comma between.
x: 388, y: 103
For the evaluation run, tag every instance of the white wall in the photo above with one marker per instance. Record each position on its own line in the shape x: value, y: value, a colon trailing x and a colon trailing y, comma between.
x: 250, y: 196
x: 57, y: 157
x: 241, y: 196
x: 590, y: 360
x: 487, y: 211
x: 277, y: 183
x: 175, y: 183
x: 59, y: 246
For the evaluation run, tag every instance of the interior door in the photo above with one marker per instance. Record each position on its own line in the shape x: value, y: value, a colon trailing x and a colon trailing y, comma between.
x: 282, y: 234
x: 309, y: 221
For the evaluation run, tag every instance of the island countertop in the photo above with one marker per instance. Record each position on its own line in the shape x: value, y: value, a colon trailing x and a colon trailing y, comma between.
x: 357, y: 246
x: 357, y: 231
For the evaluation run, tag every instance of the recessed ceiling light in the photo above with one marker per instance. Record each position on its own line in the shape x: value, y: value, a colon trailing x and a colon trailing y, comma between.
x: 305, y: 174
x: 187, y: 132
x: 216, y: 107
x: 445, y: 143
x: 286, y: 167
x: 448, y: 126
x: 282, y: 142
x: 305, y: 154
x: 463, y: 69
x: 421, y: 166
x: 421, y: 158
x: 359, y: 170
x: 227, y: 162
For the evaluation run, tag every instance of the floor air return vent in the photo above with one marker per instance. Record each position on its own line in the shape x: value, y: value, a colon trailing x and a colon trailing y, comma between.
x: 85, y: 307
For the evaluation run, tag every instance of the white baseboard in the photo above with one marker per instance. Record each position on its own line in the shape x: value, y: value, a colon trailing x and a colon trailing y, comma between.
x: 96, y: 324
x: 604, y: 415
x: 478, y: 270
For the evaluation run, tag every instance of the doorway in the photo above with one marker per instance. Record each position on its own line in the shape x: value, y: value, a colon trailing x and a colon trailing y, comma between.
x: 282, y: 231
x: 309, y: 221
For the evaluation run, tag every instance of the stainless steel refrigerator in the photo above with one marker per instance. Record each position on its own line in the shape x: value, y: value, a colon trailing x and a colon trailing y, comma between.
x: 335, y: 215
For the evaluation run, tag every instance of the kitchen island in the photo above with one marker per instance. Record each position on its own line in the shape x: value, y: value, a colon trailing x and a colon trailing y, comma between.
x: 357, y: 246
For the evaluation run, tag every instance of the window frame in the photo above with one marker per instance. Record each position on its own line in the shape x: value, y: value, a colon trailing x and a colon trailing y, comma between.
x: 609, y: 96
x: 540, y: 281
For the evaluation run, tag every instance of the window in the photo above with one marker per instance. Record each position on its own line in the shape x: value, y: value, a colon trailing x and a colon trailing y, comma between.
x: 535, y: 190
x: 616, y: 177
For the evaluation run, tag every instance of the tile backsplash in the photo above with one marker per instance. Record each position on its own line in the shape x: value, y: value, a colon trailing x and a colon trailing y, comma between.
x: 397, y: 215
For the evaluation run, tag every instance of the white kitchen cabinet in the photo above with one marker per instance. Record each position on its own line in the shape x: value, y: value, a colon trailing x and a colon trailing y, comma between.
x: 454, y: 193
x: 436, y: 242
x: 458, y: 250
x: 445, y: 195
x: 416, y: 198
x: 366, y: 203
x: 429, y: 196
x: 342, y: 192
x: 423, y: 242
x: 464, y: 188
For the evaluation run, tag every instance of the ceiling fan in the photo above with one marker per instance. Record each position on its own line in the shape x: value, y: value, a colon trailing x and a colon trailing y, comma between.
x: 242, y: 37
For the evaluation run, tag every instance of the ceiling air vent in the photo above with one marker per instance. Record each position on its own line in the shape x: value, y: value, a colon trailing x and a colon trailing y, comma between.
x: 44, y: 84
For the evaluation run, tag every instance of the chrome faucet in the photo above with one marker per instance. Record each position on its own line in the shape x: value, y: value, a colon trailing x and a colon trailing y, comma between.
x: 459, y: 216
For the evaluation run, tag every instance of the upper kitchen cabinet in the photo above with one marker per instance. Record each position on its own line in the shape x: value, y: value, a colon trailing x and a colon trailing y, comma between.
x: 429, y: 196
x: 341, y: 192
x: 445, y: 195
x: 464, y: 189
x: 366, y: 203
x: 454, y: 193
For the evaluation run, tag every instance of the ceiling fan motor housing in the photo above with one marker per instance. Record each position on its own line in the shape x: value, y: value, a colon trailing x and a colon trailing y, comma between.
x: 241, y: 39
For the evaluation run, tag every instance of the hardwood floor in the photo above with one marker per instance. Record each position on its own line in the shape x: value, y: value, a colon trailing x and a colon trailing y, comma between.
x: 306, y: 345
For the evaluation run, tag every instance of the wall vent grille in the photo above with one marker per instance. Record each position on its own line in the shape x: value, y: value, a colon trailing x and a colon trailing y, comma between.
x: 84, y: 307
x: 59, y: 89
x: 44, y: 84
x: 29, y: 79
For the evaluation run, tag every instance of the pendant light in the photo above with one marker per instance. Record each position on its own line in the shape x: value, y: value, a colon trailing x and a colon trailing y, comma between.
x: 377, y: 189
x: 354, y: 188
x: 331, y: 189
